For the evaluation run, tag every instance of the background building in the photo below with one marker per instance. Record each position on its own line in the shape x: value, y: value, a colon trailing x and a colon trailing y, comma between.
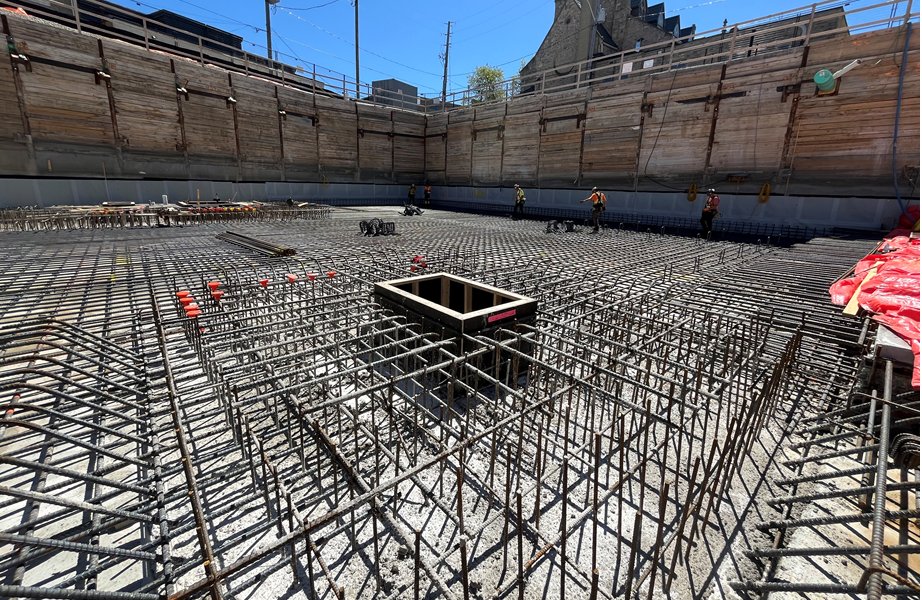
x: 596, y: 28
x: 393, y: 92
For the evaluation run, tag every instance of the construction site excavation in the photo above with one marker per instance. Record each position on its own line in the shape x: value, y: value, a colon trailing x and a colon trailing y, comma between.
x: 310, y: 388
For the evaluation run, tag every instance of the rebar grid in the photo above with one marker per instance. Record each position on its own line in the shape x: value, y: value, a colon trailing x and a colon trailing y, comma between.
x: 70, y: 218
x: 849, y: 497
x: 297, y: 438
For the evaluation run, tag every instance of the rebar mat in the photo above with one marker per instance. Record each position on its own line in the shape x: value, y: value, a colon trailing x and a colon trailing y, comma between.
x: 187, y: 418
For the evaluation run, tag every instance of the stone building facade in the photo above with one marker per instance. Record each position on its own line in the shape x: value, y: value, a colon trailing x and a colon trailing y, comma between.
x: 625, y: 37
x: 584, y: 29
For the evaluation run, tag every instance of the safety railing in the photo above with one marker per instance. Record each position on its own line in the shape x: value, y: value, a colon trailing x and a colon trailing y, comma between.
x: 770, y: 34
x: 111, y: 21
x: 773, y: 33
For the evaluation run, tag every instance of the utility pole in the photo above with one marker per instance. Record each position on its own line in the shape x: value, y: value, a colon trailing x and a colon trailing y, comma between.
x: 445, y: 72
x: 356, y: 49
x: 269, y: 31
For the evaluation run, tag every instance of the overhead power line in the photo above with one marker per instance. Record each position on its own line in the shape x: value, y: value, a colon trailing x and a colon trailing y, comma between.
x: 308, y: 7
x: 344, y: 40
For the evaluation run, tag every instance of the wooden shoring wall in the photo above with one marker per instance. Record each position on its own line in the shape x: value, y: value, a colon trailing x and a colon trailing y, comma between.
x: 84, y: 106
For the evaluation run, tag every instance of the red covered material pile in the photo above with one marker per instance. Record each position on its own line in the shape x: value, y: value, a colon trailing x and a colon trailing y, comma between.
x: 892, y: 294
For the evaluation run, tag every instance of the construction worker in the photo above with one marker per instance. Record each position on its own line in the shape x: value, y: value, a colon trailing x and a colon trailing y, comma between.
x: 598, y: 206
x: 411, y: 194
x: 427, y: 193
x: 519, y: 207
x: 710, y: 211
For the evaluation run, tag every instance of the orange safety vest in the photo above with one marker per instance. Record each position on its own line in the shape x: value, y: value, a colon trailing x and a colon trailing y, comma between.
x: 598, y: 200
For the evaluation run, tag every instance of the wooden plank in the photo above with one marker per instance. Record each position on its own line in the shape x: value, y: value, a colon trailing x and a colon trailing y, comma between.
x: 685, y: 79
x: 870, y: 45
x: 851, y: 309
x: 41, y: 40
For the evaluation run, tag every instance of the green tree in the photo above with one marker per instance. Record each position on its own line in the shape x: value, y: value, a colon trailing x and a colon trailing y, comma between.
x: 486, y: 84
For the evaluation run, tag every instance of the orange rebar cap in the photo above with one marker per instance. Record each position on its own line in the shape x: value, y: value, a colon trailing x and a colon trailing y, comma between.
x: 213, y: 285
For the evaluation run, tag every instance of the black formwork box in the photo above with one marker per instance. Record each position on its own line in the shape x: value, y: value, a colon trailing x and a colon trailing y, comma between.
x: 451, y: 306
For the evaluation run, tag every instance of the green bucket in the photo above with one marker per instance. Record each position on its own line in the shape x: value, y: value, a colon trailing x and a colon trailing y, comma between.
x: 824, y: 80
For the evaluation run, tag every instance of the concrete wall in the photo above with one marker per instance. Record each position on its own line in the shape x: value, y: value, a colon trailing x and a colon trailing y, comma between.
x: 850, y: 213
x: 853, y: 213
x: 67, y: 192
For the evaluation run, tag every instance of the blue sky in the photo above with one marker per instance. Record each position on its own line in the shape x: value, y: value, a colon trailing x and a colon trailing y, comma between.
x: 404, y: 38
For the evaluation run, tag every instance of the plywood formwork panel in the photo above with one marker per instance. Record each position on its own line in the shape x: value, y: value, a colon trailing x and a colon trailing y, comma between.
x: 144, y: 88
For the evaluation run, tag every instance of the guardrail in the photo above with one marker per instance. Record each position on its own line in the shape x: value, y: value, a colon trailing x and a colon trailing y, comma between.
x: 111, y: 21
x: 773, y: 33
x: 763, y: 35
